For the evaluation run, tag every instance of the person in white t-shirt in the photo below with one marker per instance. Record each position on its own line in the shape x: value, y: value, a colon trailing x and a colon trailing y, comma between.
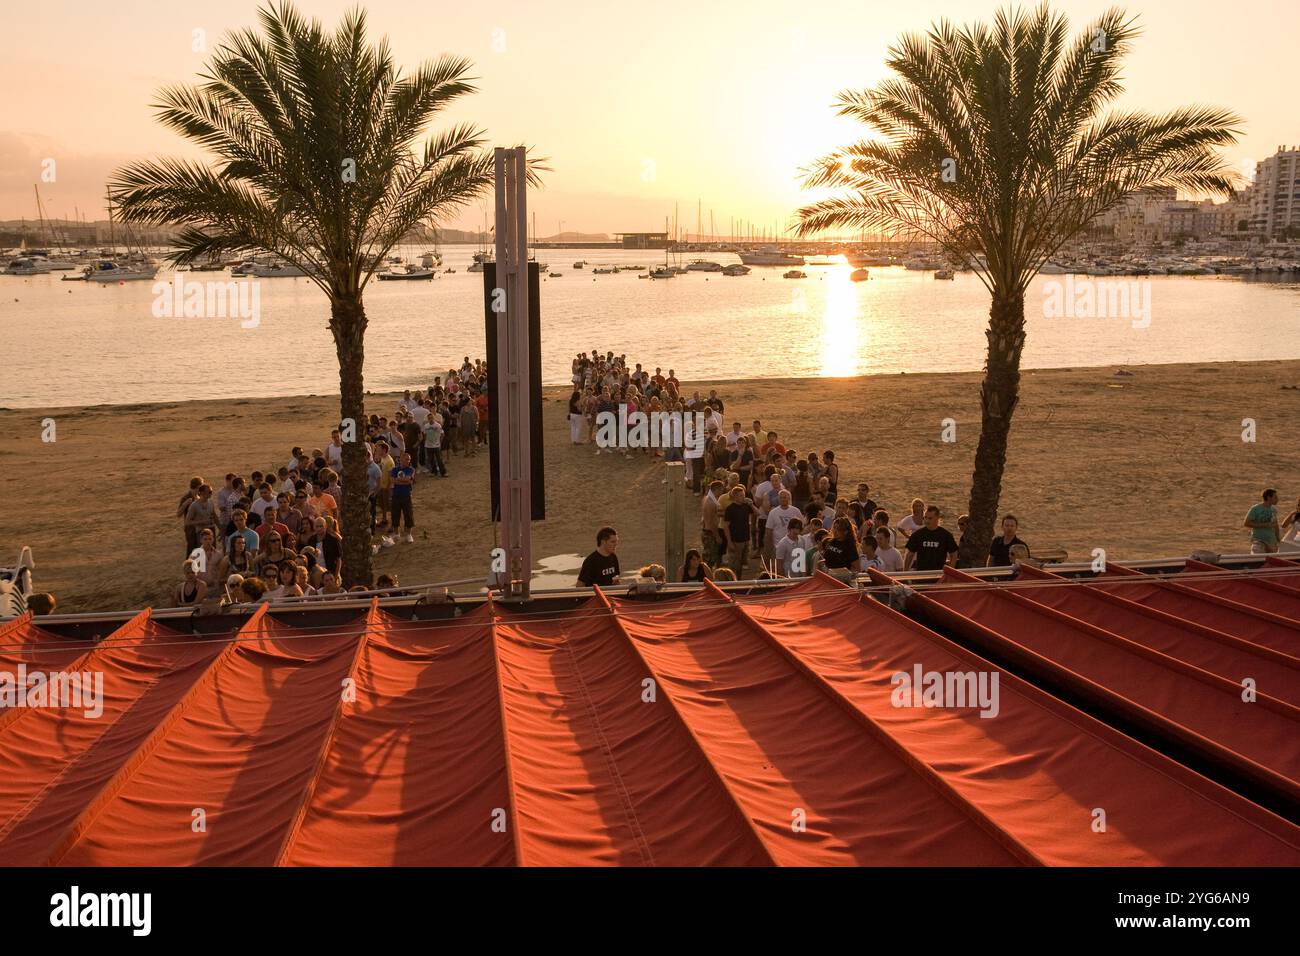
x: 334, y: 451
x: 794, y: 551
x: 420, y: 414
x: 915, y: 521
x: 1291, y: 540
x: 733, y: 436
x: 778, y: 519
x: 888, y: 558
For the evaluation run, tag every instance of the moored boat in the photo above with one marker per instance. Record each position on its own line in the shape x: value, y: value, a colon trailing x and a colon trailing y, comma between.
x: 770, y: 257
x: 106, y: 270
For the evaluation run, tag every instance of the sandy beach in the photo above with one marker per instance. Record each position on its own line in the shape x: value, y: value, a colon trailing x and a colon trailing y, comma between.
x: 1147, y: 465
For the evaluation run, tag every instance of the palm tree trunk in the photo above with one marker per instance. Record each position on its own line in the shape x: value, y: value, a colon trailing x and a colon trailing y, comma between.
x: 348, y: 323
x: 999, y: 396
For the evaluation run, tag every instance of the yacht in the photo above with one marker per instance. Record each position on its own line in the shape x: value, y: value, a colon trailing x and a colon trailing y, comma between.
x: 663, y: 272
x: 266, y: 269
x: 770, y: 257
x: 703, y: 265
x: 106, y: 270
x: 405, y: 272
x: 943, y: 274
x: 735, y: 270
x: 28, y: 266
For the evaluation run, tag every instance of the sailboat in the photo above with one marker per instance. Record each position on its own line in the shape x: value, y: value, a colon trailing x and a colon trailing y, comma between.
x: 134, y: 266
x: 532, y: 253
x: 665, y: 271
x: 483, y: 256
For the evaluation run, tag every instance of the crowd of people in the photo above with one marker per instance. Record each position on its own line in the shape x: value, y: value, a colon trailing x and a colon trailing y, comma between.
x: 765, y: 507
x: 766, y: 510
x: 275, y: 534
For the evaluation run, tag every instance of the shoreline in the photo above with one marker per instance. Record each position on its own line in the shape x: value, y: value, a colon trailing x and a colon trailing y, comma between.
x: 687, y: 384
x: 1147, y: 465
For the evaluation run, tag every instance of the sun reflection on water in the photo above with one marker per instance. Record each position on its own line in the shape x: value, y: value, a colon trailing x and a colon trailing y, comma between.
x: 840, y: 325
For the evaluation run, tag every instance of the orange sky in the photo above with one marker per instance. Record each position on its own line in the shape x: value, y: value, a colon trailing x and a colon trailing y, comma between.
x: 638, y: 105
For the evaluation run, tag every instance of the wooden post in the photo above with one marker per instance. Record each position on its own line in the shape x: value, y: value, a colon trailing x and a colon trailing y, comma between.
x: 674, y: 518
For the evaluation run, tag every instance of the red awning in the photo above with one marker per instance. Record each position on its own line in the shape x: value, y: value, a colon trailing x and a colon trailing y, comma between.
x: 1175, y: 656
x: 705, y: 730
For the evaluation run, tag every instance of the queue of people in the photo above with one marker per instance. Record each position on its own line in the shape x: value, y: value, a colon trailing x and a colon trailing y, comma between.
x: 275, y: 534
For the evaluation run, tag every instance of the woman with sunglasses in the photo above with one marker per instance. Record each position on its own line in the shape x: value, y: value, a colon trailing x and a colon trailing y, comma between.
x: 286, y: 582
x: 272, y: 554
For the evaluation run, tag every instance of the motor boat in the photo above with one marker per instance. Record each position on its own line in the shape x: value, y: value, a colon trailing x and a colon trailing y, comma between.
x: 604, y: 272
x: 106, y: 270
x: 555, y: 275
x: 407, y: 272
x: 859, y: 275
x: 579, y: 264
x: 266, y: 269
x: 943, y: 274
x: 663, y: 272
x: 735, y: 270
x: 770, y: 257
x: 703, y: 265
x: 795, y: 274
x: 28, y: 266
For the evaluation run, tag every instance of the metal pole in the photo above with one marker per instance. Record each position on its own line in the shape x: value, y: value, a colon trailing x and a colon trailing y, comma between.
x: 674, y: 517
x: 513, y: 387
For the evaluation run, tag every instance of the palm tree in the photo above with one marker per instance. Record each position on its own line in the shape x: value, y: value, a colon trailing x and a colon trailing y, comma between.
x: 315, y: 159
x: 991, y: 142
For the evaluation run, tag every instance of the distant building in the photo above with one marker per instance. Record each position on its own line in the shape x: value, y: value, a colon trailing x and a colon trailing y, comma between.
x: 643, y: 240
x: 1156, y: 215
x: 1275, y: 202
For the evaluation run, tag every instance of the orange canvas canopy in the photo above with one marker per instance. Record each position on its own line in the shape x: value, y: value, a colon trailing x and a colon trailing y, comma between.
x: 699, y: 730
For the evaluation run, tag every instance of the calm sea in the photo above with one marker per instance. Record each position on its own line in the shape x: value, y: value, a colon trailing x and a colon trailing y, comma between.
x: 75, y: 343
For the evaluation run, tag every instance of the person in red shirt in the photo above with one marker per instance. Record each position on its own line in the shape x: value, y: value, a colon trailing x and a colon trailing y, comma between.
x: 771, y: 445
x: 270, y: 524
x: 481, y: 403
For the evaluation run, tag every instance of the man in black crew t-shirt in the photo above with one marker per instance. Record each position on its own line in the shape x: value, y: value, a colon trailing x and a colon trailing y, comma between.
x: 931, y: 547
x: 601, y: 566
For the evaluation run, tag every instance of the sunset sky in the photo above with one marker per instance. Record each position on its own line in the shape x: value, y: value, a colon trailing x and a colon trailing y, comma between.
x: 638, y: 106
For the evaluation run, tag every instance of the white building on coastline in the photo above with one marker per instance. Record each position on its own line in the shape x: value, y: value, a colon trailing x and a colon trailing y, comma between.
x: 1275, y: 202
